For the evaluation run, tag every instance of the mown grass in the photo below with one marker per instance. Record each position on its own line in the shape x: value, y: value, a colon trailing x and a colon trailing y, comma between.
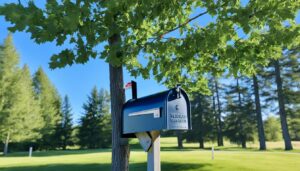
x: 170, y: 143
x: 228, y: 158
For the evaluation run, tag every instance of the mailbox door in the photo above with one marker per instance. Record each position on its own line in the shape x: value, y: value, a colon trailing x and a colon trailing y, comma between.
x: 178, y: 111
x: 144, y: 117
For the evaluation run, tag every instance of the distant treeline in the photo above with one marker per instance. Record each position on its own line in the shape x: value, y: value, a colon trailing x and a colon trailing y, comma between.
x: 236, y: 104
x: 33, y: 114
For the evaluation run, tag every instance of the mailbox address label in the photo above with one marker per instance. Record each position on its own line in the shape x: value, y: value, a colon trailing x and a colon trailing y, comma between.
x: 177, y: 114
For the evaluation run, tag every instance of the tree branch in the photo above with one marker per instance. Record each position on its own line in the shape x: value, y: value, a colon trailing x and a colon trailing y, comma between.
x: 185, y: 23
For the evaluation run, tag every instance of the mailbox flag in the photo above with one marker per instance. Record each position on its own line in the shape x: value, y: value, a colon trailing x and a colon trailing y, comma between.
x: 128, y: 86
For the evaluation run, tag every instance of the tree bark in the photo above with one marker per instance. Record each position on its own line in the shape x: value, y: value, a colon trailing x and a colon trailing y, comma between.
x: 5, y: 152
x: 220, y: 134
x: 282, y: 112
x: 179, y: 139
x: 120, y: 146
x: 260, y: 125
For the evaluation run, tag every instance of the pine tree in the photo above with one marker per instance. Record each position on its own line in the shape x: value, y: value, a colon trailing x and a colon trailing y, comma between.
x: 64, y: 130
x: 95, y: 125
x: 203, y: 120
x: 19, y: 111
x: 290, y: 65
x: 89, y: 130
x: 29, y: 107
x: 240, y: 118
x: 217, y: 104
x: 282, y: 80
x: 105, y: 119
x: 50, y: 105
x: 9, y: 59
x: 272, y: 128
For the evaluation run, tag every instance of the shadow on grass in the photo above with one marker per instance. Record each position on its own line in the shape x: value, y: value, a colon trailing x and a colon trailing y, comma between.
x: 174, y: 148
x: 137, y: 146
x: 103, y: 167
x: 57, y: 153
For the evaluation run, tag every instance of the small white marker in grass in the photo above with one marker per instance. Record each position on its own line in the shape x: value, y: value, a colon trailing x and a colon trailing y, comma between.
x: 30, y: 151
x: 212, y: 153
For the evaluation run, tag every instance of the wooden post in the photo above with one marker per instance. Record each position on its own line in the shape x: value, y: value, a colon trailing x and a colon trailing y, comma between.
x: 153, y: 160
x: 145, y: 140
x: 30, y: 151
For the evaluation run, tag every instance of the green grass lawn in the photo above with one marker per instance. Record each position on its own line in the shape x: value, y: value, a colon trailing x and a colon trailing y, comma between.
x: 172, y: 159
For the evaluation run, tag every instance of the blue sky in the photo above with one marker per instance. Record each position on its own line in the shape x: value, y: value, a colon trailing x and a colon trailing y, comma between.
x: 78, y: 80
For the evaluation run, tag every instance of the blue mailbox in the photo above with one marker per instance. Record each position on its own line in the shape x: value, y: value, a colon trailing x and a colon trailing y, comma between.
x: 168, y: 110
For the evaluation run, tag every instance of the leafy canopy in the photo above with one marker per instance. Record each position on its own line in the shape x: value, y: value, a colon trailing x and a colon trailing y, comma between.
x: 242, y: 35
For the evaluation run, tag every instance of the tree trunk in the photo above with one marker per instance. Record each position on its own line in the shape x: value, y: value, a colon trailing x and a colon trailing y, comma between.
x: 179, y: 139
x: 260, y: 125
x: 244, y: 143
x: 216, y: 116
x: 242, y: 136
x: 64, y: 145
x: 282, y: 112
x: 201, y: 139
x: 120, y: 147
x: 5, y: 152
x: 201, y: 143
x: 220, y: 134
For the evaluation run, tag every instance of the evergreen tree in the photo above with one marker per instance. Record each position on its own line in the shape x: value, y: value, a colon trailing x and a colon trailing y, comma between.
x: 9, y: 59
x: 203, y: 120
x: 272, y: 129
x: 19, y: 111
x: 240, y: 119
x: 8, y: 68
x: 105, y: 120
x: 217, y: 110
x: 94, y: 130
x: 290, y: 64
x: 75, y: 135
x: 64, y: 130
x: 29, y: 106
x: 50, y: 106
x: 282, y: 80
